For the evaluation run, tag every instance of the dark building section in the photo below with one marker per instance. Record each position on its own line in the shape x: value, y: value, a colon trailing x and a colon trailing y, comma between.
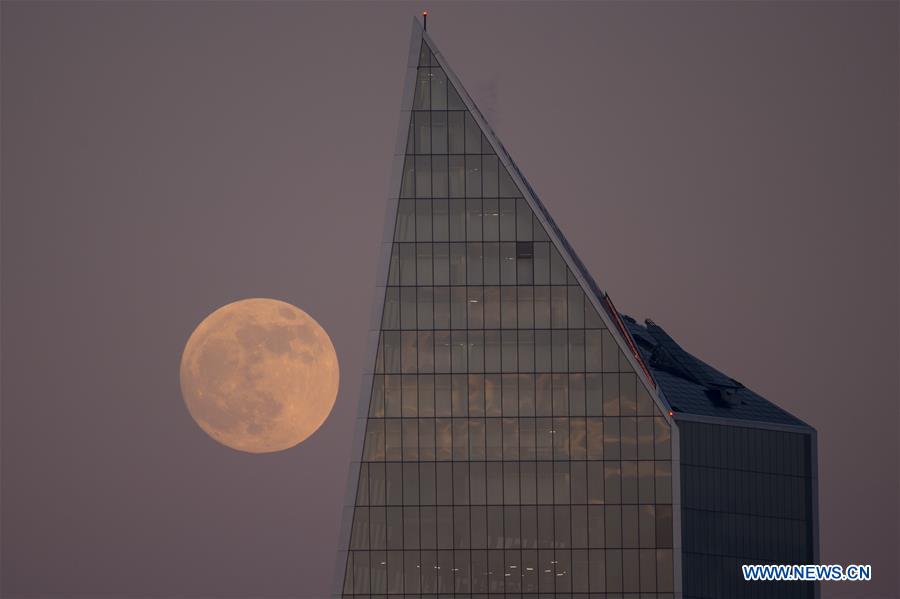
x: 748, y: 476
x: 747, y: 497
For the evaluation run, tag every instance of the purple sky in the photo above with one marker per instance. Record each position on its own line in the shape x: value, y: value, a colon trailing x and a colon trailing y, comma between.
x: 729, y: 170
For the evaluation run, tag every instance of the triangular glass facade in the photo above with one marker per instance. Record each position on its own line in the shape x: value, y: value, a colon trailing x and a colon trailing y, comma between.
x: 510, y: 447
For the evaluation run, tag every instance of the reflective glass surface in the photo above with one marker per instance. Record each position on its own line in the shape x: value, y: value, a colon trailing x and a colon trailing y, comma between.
x: 510, y: 448
x: 747, y: 499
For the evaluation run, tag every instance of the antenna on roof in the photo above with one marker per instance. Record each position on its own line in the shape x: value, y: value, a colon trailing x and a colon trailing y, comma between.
x: 425, y: 20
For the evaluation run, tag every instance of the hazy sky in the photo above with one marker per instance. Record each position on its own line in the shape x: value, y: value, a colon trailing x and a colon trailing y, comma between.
x: 729, y: 170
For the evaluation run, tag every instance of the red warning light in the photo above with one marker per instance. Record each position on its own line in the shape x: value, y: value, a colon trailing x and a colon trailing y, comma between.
x: 424, y: 13
x: 671, y: 413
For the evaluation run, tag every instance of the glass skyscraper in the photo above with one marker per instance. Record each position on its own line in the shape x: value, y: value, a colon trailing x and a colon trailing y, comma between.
x: 518, y: 437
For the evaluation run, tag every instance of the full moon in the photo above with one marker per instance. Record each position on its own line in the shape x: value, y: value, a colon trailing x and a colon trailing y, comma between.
x: 259, y: 375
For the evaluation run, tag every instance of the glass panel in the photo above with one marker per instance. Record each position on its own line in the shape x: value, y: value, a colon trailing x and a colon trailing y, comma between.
x: 491, y: 264
x: 456, y: 132
x: 491, y: 217
x: 494, y: 442
x: 473, y: 136
x: 647, y: 526
x: 406, y: 219
x: 538, y: 229
x: 422, y: 315
x: 628, y: 432
x: 662, y: 436
x: 663, y: 482
x: 457, y: 219
x: 542, y: 307
x: 510, y: 438
x: 473, y: 220
x: 523, y: 217
x: 489, y: 176
x: 473, y: 176
x: 508, y: 189
x: 558, y: 268
x: 541, y: 263
x: 457, y: 174
x: 507, y: 219
x: 408, y: 180
x: 509, y: 351
x: 391, y: 317
x: 474, y: 263
x: 423, y: 176
x: 425, y: 56
x: 508, y: 265
x: 438, y: 89
x: 475, y: 307
x: 439, y: 131
x: 453, y: 100
x: 457, y: 264
x: 595, y: 477
x: 426, y: 439
x: 440, y: 178
x: 612, y: 483
x: 422, y: 137
x: 614, y: 570
x: 542, y: 354
x: 492, y: 401
x: 611, y: 445
x: 422, y: 98
x: 558, y: 307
